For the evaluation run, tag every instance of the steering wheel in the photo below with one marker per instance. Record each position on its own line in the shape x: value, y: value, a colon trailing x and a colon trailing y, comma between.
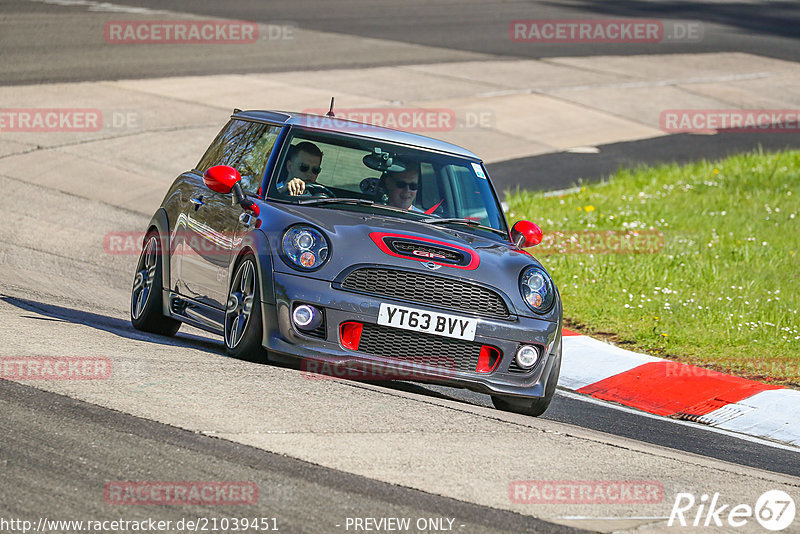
x: 315, y: 189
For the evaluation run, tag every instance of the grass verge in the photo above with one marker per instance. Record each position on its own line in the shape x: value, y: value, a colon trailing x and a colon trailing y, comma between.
x: 697, y: 263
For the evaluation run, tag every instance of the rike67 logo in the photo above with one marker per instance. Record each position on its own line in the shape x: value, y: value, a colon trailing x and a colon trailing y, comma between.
x: 774, y: 510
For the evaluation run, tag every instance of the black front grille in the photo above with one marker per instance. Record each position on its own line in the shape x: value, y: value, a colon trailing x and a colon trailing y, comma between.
x: 513, y: 367
x: 426, y: 289
x: 320, y: 332
x: 423, y: 349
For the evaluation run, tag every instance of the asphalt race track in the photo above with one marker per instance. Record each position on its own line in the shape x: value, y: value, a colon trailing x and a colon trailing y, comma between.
x: 321, y: 452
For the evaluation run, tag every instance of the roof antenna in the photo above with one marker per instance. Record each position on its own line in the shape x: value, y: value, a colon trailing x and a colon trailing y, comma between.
x: 330, y: 111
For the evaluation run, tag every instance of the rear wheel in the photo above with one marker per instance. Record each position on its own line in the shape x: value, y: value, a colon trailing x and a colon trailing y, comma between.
x: 146, y: 303
x: 533, y: 407
x: 243, y: 322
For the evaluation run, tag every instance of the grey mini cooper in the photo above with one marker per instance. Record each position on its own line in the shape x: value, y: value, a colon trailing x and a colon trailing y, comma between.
x: 359, y: 251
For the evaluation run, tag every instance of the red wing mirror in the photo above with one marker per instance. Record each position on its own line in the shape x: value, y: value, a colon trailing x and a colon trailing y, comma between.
x: 221, y: 178
x: 526, y: 234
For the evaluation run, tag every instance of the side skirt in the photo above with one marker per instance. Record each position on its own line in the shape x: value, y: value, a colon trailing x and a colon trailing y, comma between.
x: 196, y: 314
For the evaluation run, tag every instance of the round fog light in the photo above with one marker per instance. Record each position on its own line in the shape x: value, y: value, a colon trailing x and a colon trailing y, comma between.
x: 306, y: 317
x: 527, y: 356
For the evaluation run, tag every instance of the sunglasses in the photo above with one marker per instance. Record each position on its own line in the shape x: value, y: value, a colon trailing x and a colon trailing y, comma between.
x: 413, y: 186
x: 314, y: 170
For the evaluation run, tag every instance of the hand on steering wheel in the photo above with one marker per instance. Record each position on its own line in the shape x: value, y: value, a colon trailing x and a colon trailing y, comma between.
x: 318, y: 189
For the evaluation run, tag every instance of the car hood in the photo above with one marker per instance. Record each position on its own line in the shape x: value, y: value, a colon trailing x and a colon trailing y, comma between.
x: 358, y: 238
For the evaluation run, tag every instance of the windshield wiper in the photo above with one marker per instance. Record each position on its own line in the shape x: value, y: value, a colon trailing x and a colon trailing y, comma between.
x: 362, y: 201
x: 468, y: 222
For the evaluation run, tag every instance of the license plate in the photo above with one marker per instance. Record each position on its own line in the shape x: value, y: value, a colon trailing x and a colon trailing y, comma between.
x: 440, y: 324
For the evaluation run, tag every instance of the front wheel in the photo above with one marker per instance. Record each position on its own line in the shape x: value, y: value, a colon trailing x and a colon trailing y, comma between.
x: 533, y: 407
x: 243, y: 322
x: 146, y: 305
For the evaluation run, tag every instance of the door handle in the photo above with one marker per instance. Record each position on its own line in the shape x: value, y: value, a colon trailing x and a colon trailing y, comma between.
x: 197, y: 201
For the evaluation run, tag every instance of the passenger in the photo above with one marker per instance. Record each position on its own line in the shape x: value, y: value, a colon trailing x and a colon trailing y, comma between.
x: 302, y: 166
x: 401, y: 188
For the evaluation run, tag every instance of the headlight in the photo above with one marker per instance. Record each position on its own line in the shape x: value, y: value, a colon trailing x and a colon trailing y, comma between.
x: 305, y: 248
x: 537, y: 289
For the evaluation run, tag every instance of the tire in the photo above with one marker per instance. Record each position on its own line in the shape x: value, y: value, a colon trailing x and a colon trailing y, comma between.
x: 243, y: 323
x: 533, y: 407
x: 147, y: 312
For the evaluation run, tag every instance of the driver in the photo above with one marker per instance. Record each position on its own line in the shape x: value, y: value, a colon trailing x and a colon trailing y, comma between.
x: 302, y: 166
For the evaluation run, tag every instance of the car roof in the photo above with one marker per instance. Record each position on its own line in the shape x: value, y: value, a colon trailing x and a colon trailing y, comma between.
x: 319, y: 122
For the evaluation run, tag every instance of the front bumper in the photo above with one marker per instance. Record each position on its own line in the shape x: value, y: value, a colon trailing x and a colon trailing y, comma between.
x: 506, y: 335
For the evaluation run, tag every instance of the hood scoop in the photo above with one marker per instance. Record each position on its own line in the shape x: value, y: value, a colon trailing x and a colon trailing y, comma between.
x: 426, y: 251
x: 430, y: 251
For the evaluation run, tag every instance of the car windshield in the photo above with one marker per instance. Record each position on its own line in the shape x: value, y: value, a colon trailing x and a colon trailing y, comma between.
x: 342, y: 171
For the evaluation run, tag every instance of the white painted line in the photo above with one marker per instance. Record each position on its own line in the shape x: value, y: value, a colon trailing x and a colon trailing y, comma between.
x: 506, y: 92
x: 583, y: 517
x: 583, y: 150
x: 662, y: 83
x: 102, y: 6
x: 714, y: 429
x: 772, y: 414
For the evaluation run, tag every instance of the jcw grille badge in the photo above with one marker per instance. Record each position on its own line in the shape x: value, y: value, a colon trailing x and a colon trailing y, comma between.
x: 428, y: 254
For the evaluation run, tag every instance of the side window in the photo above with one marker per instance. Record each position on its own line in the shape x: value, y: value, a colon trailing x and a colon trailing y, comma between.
x: 468, y: 191
x: 253, y: 151
x: 246, y: 147
x: 224, y: 146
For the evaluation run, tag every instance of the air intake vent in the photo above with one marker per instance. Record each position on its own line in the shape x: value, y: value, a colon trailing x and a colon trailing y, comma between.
x: 427, y: 251
x: 408, y: 248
